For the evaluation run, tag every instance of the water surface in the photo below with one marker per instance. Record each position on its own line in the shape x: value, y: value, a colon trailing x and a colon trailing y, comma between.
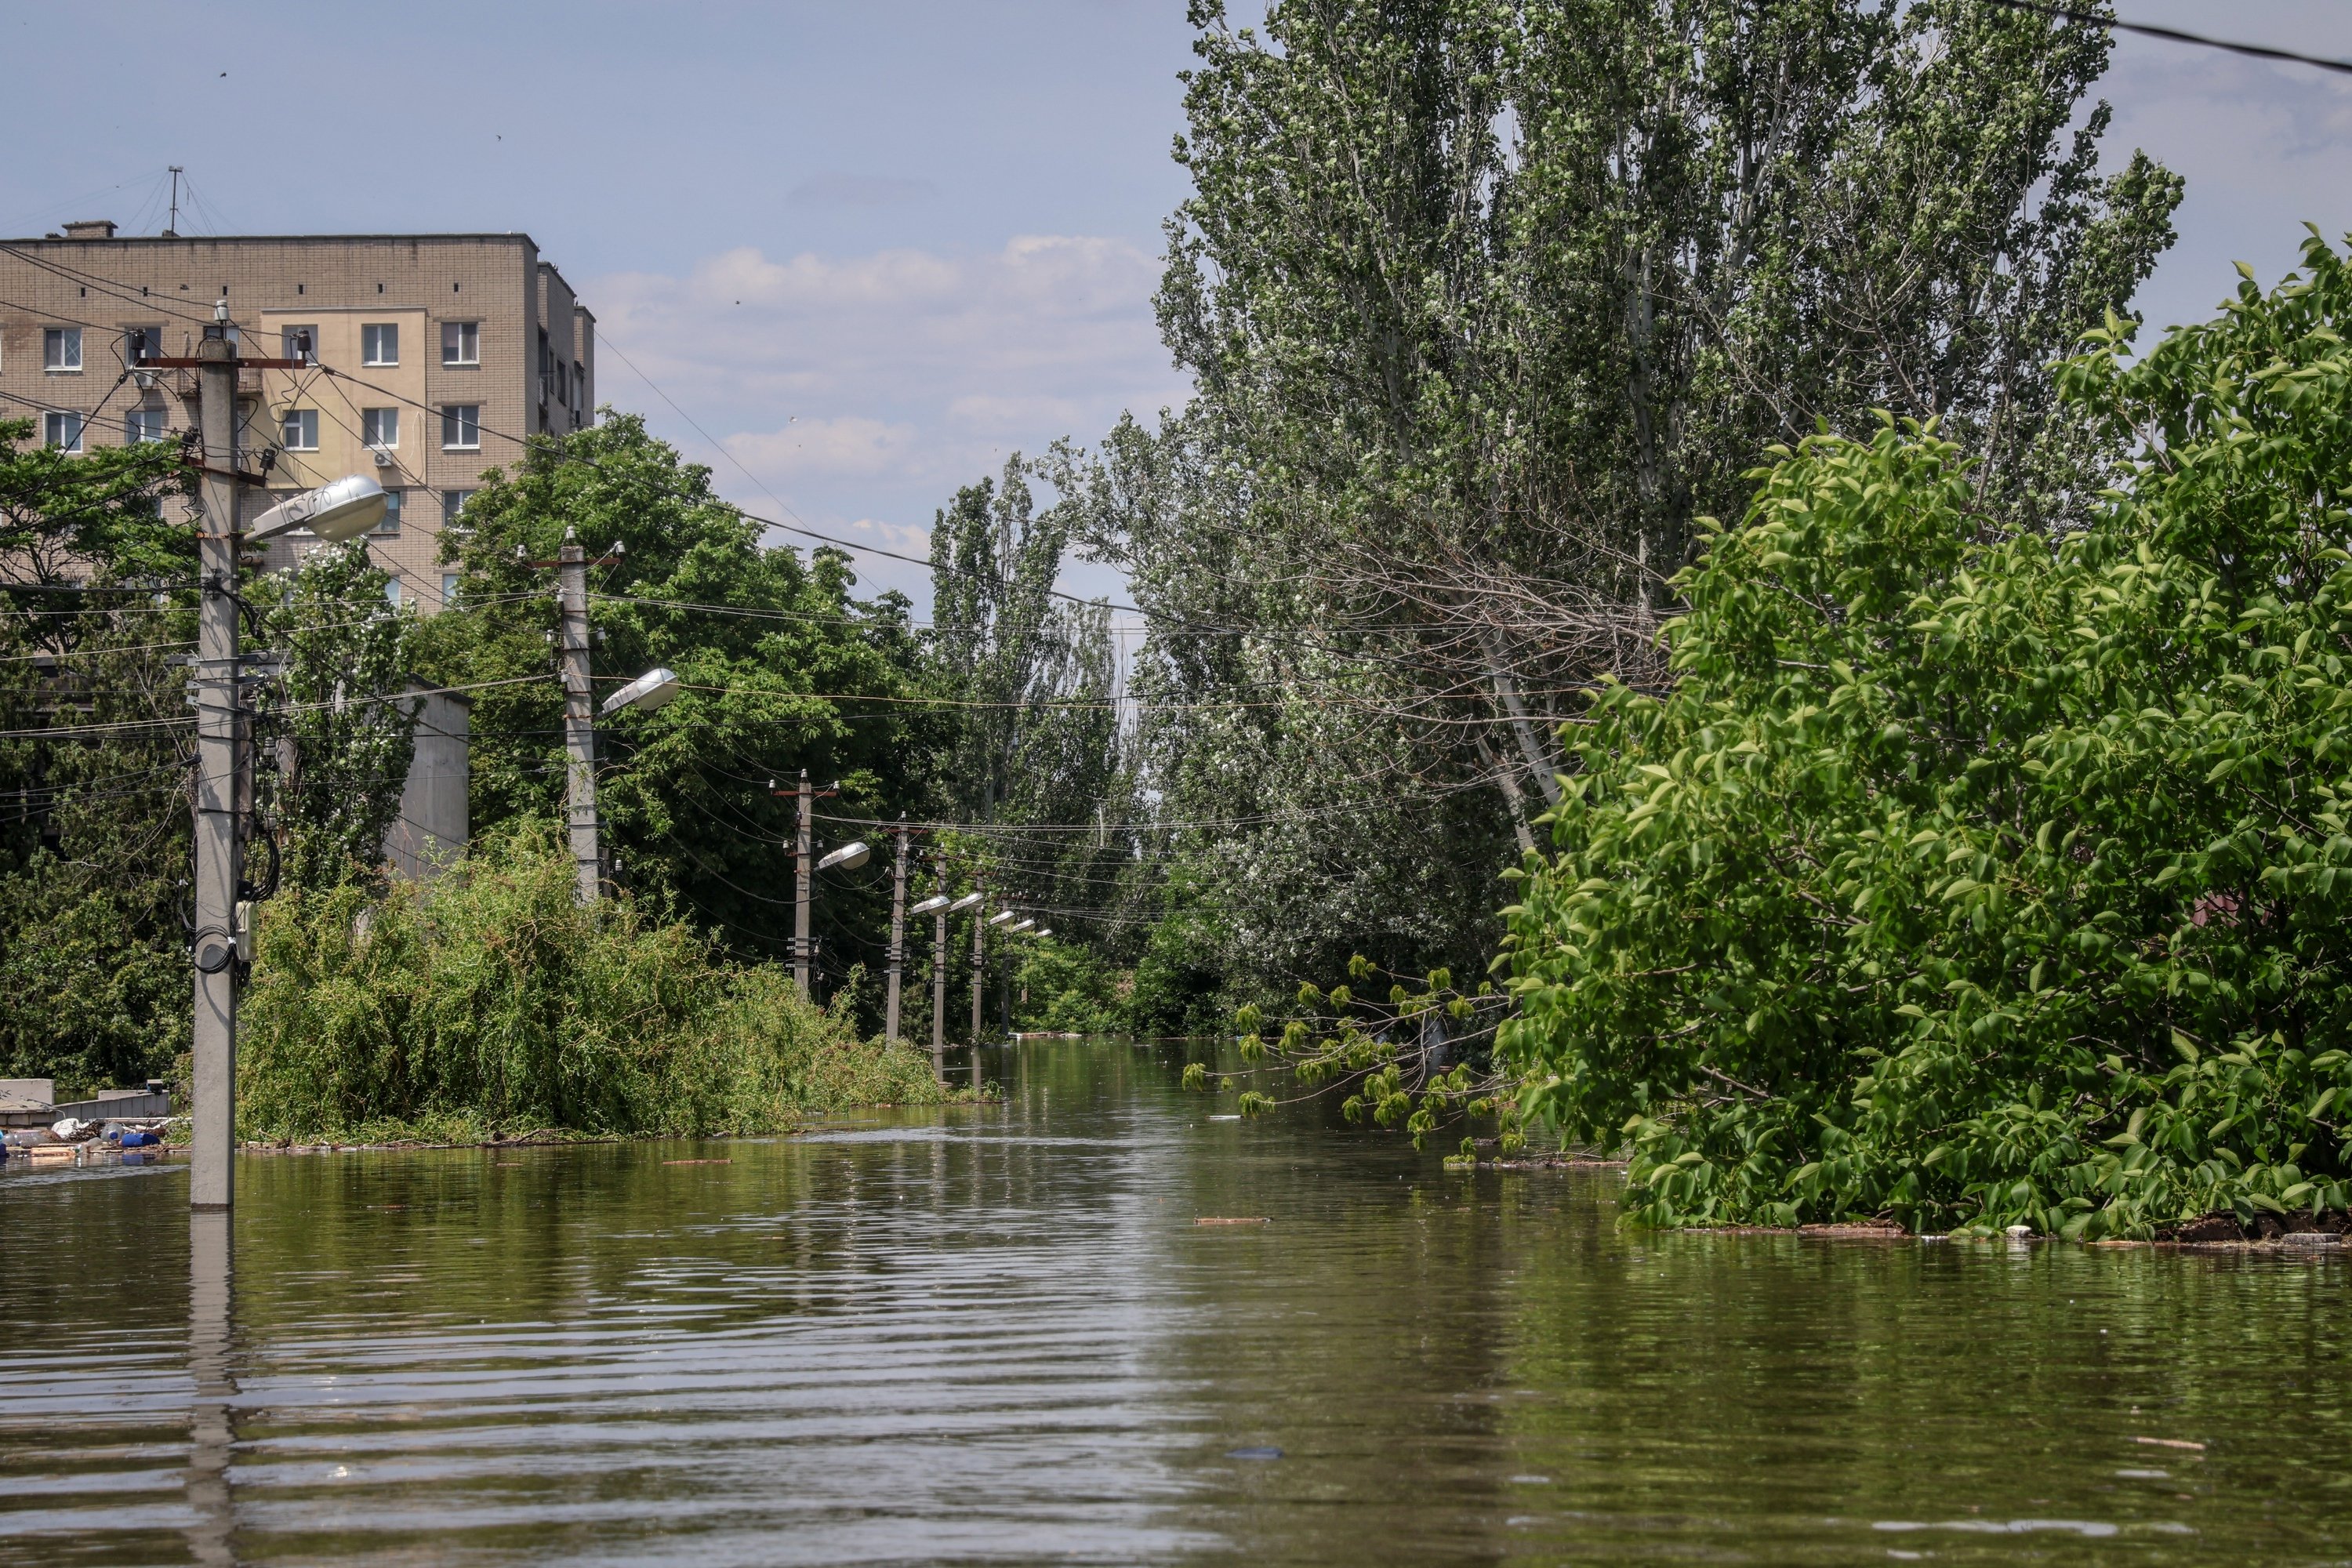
x: 997, y: 1334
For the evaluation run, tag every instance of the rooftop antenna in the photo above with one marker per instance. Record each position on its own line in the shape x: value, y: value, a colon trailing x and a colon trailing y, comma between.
x: 172, y: 226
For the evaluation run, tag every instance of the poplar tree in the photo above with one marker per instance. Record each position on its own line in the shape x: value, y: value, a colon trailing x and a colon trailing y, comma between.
x: 1487, y: 300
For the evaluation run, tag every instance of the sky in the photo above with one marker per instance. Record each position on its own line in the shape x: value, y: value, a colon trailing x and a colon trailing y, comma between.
x: 853, y: 256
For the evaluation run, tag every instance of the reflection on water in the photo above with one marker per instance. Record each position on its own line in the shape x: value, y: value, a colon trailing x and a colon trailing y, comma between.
x: 997, y: 1333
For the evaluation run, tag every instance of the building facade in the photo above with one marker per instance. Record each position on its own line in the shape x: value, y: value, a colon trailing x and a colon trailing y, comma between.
x: 430, y: 359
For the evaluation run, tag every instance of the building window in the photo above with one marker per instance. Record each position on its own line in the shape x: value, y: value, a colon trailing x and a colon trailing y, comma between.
x: 300, y: 343
x: 380, y: 427
x: 61, y: 348
x: 143, y: 425
x: 391, y: 593
x: 461, y: 428
x: 461, y: 343
x: 62, y: 430
x: 452, y: 503
x: 139, y: 344
x: 380, y: 344
x: 301, y: 432
x: 449, y: 589
x: 391, y: 523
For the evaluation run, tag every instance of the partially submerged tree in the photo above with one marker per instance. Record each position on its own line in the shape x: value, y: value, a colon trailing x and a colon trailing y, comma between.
x: 1486, y: 300
x: 1974, y: 877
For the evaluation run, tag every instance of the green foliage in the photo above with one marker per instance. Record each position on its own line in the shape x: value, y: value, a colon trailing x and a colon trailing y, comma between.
x: 499, y: 1002
x: 1177, y: 987
x: 63, y: 513
x: 1974, y: 878
x: 93, y: 814
x: 1066, y: 987
x: 1486, y: 302
x: 1029, y: 681
x: 340, y: 704
x: 783, y: 669
x: 1419, y: 1060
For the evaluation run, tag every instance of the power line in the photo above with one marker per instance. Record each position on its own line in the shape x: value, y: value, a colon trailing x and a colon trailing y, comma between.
x: 2173, y: 35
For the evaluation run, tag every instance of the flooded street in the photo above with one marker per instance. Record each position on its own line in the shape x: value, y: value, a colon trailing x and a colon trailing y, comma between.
x: 998, y: 1333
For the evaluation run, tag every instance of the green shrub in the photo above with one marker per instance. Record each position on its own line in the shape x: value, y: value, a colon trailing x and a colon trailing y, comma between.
x: 1065, y: 988
x: 1978, y: 879
x: 492, y: 1000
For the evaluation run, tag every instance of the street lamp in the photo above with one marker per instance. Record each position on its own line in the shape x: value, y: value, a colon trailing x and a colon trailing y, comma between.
x: 1000, y: 917
x: 1015, y: 931
x: 343, y: 509
x: 967, y: 902
x: 936, y: 901
x: 655, y: 688
x: 849, y: 856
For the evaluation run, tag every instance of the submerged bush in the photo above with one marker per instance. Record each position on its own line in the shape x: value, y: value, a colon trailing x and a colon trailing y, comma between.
x: 1981, y: 880
x: 493, y: 1000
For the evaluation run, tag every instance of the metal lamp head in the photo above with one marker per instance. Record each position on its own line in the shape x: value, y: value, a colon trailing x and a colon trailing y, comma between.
x: 931, y: 905
x: 849, y: 856
x: 343, y: 509
x: 649, y: 691
x: 1025, y: 925
x: 1000, y: 917
x: 967, y: 902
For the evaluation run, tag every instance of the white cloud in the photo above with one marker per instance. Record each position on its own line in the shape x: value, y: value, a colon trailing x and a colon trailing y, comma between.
x: 858, y: 391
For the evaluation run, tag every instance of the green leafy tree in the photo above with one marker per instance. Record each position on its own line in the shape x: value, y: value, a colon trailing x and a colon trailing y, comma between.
x: 93, y: 764
x: 1029, y: 680
x: 340, y: 713
x: 783, y: 669
x: 1972, y: 877
x: 1487, y: 300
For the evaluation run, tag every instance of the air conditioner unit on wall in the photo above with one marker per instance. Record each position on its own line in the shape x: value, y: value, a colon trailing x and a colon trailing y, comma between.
x: 383, y: 458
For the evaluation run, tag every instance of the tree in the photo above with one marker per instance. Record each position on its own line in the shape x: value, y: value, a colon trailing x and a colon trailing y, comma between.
x: 1487, y: 300
x: 1976, y: 877
x: 783, y: 669
x: 341, y: 713
x: 93, y: 764
x: 1039, y: 764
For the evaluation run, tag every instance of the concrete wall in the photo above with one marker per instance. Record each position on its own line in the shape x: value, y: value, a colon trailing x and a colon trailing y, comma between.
x: 432, y: 826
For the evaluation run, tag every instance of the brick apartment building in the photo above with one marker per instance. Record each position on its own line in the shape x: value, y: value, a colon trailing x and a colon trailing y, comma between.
x: 445, y: 351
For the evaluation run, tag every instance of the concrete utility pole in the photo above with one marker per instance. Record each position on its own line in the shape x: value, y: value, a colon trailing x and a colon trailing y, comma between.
x: 579, y: 714
x: 223, y: 795
x: 800, y: 892
x: 940, y: 973
x: 897, y: 936
x: 979, y: 969
x: 212, y: 1182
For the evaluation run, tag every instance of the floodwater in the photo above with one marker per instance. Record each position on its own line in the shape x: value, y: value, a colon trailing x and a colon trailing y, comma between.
x: 997, y: 1334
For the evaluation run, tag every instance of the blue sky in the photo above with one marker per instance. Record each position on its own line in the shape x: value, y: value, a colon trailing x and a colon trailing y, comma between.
x: 871, y: 247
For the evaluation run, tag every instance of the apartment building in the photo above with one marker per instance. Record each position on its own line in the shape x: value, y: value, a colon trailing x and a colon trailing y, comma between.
x: 430, y: 358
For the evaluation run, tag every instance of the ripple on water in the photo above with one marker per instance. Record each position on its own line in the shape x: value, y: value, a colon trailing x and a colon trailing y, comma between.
x: 999, y: 1335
